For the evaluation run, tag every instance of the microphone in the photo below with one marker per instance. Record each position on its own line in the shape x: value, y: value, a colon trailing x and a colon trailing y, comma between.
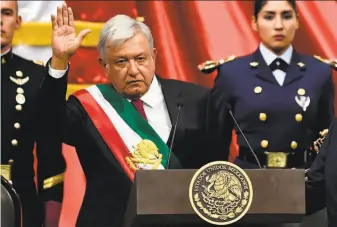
x: 179, y: 105
x: 237, y: 125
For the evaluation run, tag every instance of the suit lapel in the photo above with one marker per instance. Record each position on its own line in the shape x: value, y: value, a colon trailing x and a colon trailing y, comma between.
x: 173, y: 97
x: 294, y: 71
x: 263, y: 71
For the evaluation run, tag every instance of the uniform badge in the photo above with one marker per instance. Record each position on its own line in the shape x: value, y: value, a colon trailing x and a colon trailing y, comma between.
x: 254, y: 64
x: 220, y: 193
x: 301, y: 65
x: 303, y: 101
x: 19, y: 81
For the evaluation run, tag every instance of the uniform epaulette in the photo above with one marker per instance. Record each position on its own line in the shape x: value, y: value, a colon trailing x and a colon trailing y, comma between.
x: 210, y: 66
x: 322, y: 59
x: 39, y: 62
x: 332, y: 63
x: 141, y: 19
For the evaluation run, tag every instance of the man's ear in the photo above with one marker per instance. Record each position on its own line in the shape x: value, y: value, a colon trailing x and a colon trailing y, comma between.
x: 103, y: 64
x: 18, y: 22
x: 154, y: 54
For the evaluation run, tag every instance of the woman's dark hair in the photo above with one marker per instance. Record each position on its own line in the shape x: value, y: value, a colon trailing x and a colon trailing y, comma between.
x: 258, y: 5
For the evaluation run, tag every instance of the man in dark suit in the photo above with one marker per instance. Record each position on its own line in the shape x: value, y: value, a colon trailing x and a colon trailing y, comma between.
x: 128, y: 124
x: 321, y: 186
x: 21, y: 80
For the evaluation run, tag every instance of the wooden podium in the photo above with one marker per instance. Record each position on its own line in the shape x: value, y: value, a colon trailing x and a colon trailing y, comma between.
x: 161, y: 198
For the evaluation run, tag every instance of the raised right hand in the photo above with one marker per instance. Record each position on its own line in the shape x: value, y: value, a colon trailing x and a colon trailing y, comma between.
x: 64, y: 40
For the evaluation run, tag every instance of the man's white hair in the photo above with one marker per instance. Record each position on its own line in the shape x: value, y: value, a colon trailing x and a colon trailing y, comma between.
x: 119, y: 29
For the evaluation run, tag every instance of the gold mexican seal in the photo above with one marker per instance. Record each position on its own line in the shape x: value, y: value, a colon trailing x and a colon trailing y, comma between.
x: 220, y: 193
x: 145, y: 156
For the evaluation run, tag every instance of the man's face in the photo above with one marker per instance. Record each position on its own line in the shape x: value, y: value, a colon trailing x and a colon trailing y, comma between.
x: 10, y: 21
x: 276, y: 25
x: 131, y: 66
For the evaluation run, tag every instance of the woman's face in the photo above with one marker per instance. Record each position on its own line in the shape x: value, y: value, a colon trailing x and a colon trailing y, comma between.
x: 276, y: 25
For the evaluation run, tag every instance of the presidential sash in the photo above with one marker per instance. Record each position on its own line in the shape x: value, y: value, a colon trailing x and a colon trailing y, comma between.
x: 131, y: 139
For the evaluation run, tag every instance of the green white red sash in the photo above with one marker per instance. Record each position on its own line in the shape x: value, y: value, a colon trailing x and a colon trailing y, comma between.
x: 122, y: 128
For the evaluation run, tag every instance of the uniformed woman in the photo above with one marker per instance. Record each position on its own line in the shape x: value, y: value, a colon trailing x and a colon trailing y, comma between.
x: 280, y: 98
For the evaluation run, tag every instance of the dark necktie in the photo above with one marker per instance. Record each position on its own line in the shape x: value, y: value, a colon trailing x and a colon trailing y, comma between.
x: 280, y: 64
x: 138, y: 104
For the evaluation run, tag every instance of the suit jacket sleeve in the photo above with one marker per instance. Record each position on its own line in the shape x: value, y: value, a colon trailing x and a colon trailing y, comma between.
x: 316, y: 184
x: 54, y: 122
x: 51, y: 165
x: 220, y: 122
x: 326, y: 105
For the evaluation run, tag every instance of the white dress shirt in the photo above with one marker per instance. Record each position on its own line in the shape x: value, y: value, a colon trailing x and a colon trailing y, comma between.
x: 156, y: 110
x: 269, y: 57
x: 154, y: 106
x: 57, y: 74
